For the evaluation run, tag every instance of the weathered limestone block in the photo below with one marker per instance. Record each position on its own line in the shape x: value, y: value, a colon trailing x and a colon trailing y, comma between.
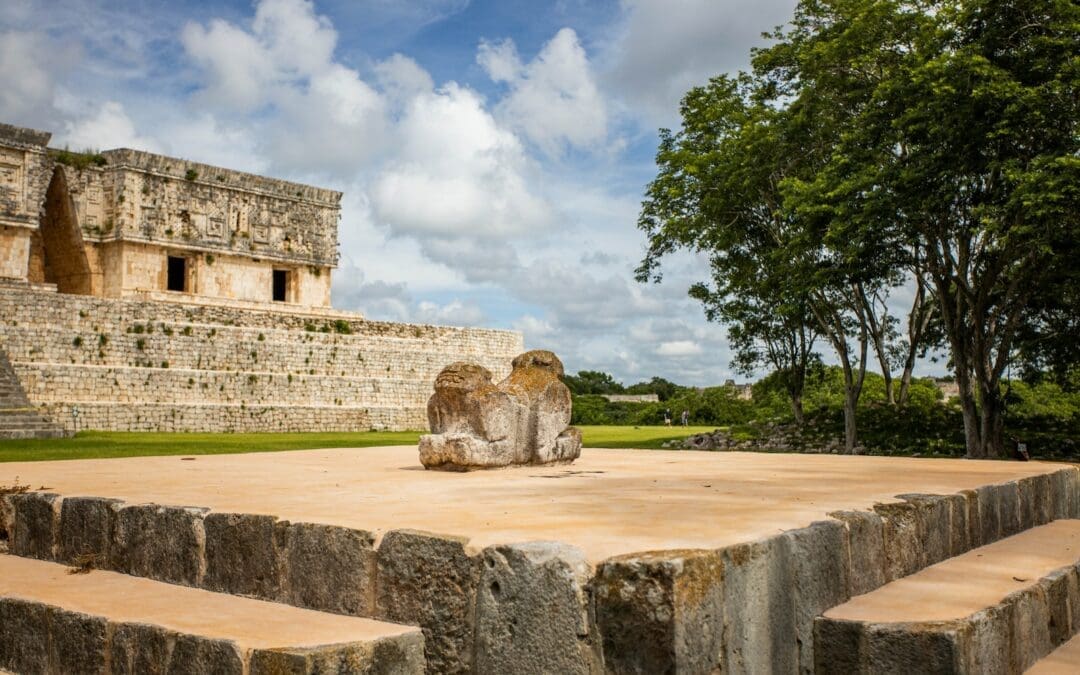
x: 532, y: 612
x: 429, y: 580
x: 193, y: 654
x: 25, y: 646
x: 331, y: 569
x: 933, y: 515
x: 401, y: 655
x: 244, y: 554
x: 903, y: 548
x: 759, y: 613
x: 86, y: 529
x: 1061, y: 490
x: 140, y: 648
x: 661, y: 612
x: 7, y: 522
x: 865, y: 549
x: 78, y: 643
x: 476, y: 424
x: 37, y: 517
x: 820, y: 575
x: 166, y: 543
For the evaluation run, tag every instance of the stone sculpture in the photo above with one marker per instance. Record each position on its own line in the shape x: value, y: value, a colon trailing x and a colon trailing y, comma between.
x: 476, y: 424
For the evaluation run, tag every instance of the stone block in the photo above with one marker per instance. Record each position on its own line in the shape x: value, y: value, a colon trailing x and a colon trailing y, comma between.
x: 838, y: 647
x: 759, y: 612
x: 78, y: 643
x: 244, y: 554
x: 1061, y: 493
x: 403, y: 655
x: 903, y: 547
x: 1044, y: 500
x: 7, y: 522
x: 989, y: 503
x: 1059, y: 603
x: 192, y: 654
x: 1031, y: 619
x: 1027, y: 493
x: 429, y: 580
x: 159, y: 542
x: 819, y: 567
x: 86, y: 528
x: 910, y: 649
x: 532, y: 610
x: 24, y: 648
x: 331, y: 569
x: 141, y: 649
x: 865, y: 549
x: 934, y: 518
x: 962, y: 506
x: 661, y: 612
x: 1008, y: 495
x: 37, y: 517
x: 989, y: 640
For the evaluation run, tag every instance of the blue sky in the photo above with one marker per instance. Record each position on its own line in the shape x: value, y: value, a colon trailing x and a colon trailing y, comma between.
x: 493, y: 155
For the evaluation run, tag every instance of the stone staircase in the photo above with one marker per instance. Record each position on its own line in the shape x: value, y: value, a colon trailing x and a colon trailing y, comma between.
x: 982, y: 581
x: 18, y: 418
x: 56, y: 621
x: 999, y: 608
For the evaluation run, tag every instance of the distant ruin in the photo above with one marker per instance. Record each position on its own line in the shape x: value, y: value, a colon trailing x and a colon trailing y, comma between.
x: 144, y: 292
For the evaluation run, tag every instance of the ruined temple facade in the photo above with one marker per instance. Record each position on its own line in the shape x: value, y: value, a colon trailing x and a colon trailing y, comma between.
x: 125, y: 223
x: 147, y: 293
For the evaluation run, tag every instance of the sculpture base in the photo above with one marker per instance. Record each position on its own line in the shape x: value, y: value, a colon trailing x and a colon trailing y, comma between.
x: 465, y: 452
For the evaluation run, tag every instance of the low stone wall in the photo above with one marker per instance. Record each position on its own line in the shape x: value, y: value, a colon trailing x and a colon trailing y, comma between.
x: 148, y: 365
x: 540, y: 606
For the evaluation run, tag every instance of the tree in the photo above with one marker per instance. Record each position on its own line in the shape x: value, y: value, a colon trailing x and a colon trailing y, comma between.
x: 968, y: 153
x: 592, y: 382
x: 712, y: 196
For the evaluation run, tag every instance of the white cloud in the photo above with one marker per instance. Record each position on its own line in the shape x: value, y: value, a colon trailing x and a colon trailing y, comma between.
x: 553, y: 99
x: 402, y: 78
x: 29, y: 67
x: 665, y: 47
x: 236, y: 63
x: 679, y: 348
x: 108, y: 127
x: 457, y: 174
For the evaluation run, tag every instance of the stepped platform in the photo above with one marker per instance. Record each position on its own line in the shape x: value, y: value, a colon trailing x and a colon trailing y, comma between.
x: 997, y: 608
x: 18, y: 419
x: 58, y: 622
x: 626, y: 561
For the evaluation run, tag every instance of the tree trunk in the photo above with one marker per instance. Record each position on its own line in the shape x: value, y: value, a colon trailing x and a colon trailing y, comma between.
x: 972, y: 437
x: 850, y: 432
x: 992, y: 423
x: 797, y: 409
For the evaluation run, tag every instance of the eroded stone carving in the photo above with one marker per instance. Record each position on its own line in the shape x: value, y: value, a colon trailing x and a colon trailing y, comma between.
x: 476, y: 424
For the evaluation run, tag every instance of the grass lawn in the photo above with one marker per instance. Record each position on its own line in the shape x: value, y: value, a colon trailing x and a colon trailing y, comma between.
x: 98, y: 444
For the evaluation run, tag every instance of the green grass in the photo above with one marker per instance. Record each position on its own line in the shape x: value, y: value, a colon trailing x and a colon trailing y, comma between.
x: 98, y: 444
x: 635, y: 437
x: 103, y: 444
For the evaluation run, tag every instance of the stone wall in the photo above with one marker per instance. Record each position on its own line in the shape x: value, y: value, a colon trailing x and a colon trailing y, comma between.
x: 148, y: 365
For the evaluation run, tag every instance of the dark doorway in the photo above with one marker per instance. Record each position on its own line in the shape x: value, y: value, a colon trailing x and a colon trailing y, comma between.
x: 177, y: 280
x: 281, y: 285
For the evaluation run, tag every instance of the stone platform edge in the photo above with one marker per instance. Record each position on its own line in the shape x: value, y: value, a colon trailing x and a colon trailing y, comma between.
x: 1009, y: 636
x: 745, y: 607
x: 40, y: 637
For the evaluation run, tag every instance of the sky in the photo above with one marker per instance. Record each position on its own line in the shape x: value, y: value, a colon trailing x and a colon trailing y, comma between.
x: 493, y: 155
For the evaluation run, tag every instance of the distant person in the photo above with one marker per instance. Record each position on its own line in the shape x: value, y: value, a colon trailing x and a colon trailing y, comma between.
x: 686, y: 418
x: 667, y: 417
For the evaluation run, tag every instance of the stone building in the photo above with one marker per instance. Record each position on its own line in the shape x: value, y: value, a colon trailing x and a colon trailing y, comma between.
x: 146, y: 292
x: 125, y: 223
